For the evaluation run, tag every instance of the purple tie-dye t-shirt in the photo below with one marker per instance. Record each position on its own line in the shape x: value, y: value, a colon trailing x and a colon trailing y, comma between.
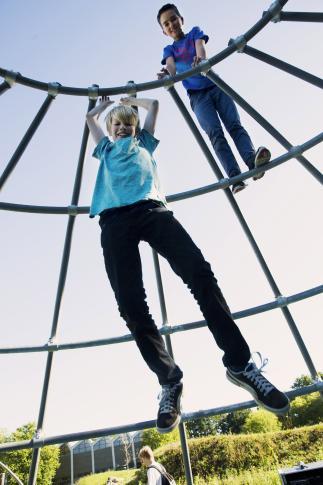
x: 183, y: 51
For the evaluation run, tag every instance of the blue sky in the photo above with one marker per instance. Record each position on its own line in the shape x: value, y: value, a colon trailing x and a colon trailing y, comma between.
x: 78, y: 43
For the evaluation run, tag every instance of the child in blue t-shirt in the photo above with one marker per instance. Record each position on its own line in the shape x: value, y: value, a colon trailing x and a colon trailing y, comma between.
x: 132, y: 208
x: 209, y: 103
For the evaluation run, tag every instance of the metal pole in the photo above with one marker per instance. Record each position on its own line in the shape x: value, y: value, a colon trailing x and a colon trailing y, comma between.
x: 26, y: 139
x: 283, y: 66
x: 72, y: 465
x: 299, y: 16
x: 182, y: 431
x: 248, y: 233
x: 61, y: 285
x: 263, y: 122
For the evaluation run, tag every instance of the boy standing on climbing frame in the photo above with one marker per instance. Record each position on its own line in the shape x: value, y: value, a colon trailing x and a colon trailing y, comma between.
x: 132, y: 208
x: 209, y: 103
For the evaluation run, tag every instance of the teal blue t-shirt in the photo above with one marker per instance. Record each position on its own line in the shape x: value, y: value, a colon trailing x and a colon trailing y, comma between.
x: 127, y: 173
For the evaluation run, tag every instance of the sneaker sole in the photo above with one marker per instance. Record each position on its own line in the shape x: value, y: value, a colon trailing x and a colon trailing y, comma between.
x: 239, y: 189
x: 262, y: 161
x: 235, y: 381
x: 170, y: 428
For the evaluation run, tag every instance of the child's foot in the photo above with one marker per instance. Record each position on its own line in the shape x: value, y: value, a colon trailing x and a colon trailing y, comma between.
x: 261, y: 158
x: 263, y: 392
x: 169, y: 413
x: 237, y: 187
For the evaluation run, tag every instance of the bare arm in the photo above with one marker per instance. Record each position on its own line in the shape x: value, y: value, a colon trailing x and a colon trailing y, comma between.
x: 93, y: 116
x: 170, y: 68
x: 200, y: 52
x: 151, y: 105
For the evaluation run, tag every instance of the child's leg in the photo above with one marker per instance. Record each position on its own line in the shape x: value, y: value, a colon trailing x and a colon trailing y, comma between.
x: 230, y: 117
x: 206, y: 112
x: 165, y: 234
x: 119, y: 240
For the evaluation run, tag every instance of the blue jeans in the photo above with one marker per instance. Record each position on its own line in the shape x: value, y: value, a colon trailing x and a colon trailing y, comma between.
x: 212, y: 104
x: 122, y: 230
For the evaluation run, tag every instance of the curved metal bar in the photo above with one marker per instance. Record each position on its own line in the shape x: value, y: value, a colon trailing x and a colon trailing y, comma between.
x: 98, y: 433
x: 263, y: 122
x: 279, y: 302
x: 5, y: 467
x: 267, y: 17
x: 60, y: 289
x: 222, y: 184
x: 283, y: 66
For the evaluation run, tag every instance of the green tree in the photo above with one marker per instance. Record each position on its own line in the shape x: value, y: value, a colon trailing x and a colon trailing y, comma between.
x: 232, y: 423
x: 19, y: 461
x: 152, y: 438
x: 305, y: 380
x: 196, y: 428
x: 261, y: 421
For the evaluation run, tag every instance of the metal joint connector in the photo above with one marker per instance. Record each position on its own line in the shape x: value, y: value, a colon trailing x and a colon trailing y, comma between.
x: 93, y: 91
x: 206, y: 66
x: 11, y: 77
x: 295, y: 151
x: 53, y: 89
x: 169, y: 82
x: 275, y: 9
x: 281, y: 300
x: 239, y: 42
x: 72, y: 210
x: 51, y: 345
x: 131, y: 88
x: 224, y: 183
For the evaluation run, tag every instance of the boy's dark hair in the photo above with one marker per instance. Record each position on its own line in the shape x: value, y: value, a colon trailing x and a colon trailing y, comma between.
x: 167, y: 6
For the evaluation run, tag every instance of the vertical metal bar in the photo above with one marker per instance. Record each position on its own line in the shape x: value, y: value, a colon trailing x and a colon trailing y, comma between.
x: 72, y: 465
x: 283, y: 66
x: 263, y: 122
x: 61, y: 285
x: 182, y: 428
x: 25, y: 140
x: 248, y: 233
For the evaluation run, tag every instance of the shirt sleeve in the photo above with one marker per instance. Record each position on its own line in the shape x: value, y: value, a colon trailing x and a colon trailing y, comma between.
x: 148, y: 141
x: 197, y: 33
x: 103, y: 146
x: 168, y: 52
x: 154, y: 477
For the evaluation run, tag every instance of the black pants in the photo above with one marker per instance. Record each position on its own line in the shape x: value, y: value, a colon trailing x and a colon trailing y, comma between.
x: 122, y: 230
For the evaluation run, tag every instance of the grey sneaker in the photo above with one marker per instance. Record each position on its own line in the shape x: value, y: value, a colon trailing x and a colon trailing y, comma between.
x: 263, y: 392
x: 169, y: 413
x: 237, y: 187
x: 262, y: 157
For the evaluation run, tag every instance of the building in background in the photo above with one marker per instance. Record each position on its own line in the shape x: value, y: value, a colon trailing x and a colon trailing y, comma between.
x: 94, y: 456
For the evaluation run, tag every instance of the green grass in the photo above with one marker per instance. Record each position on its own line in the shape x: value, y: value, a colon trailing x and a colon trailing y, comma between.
x: 125, y: 476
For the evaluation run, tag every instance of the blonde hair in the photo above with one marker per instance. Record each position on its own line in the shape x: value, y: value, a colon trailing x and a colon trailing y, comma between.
x: 125, y: 114
x: 146, y: 452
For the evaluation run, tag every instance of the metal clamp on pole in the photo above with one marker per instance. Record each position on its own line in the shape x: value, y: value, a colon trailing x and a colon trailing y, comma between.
x: 239, y: 42
x: 295, y: 151
x: 169, y: 82
x: 206, y: 66
x: 72, y: 209
x: 281, y: 300
x: 11, y: 77
x: 274, y: 10
x: 53, y: 89
x: 131, y: 88
x: 93, y: 91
